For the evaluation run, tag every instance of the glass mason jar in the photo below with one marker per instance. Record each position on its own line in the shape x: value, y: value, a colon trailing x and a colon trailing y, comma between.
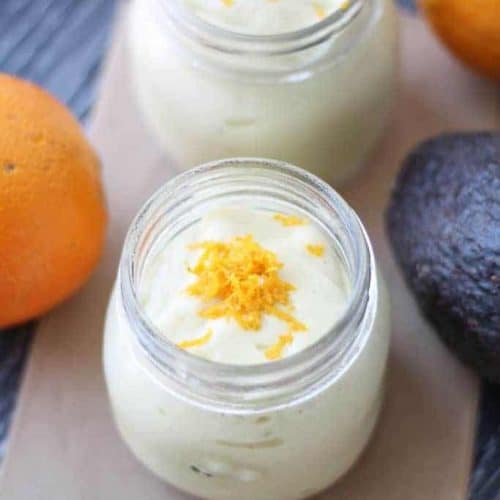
x: 318, y: 97
x: 280, y: 430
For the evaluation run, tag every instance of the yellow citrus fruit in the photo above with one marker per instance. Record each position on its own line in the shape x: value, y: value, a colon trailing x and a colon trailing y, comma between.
x: 470, y: 29
x: 52, y: 209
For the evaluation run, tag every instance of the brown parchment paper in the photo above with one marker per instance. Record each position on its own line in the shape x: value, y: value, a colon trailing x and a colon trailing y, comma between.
x: 64, y: 445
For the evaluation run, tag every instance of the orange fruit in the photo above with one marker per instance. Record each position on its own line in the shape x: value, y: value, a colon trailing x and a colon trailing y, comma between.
x: 470, y: 29
x: 52, y: 209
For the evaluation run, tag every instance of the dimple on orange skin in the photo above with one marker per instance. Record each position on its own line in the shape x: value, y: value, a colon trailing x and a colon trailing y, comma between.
x: 52, y: 210
x: 470, y: 29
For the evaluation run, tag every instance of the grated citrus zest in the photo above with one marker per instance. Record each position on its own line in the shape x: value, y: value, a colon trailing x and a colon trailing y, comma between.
x: 294, y: 324
x: 289, y: 220
x: 187, y: 344
x: 239, y: 279
x: 276, y: 350
x: 319, y: 10
x: 316, y: 250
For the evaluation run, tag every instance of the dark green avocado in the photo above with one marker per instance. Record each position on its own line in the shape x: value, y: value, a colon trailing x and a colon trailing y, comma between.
x: 443, y: 222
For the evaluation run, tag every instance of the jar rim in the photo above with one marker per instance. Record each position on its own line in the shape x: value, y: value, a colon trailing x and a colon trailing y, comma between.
x: 287, y: 42
x: 243, y: 388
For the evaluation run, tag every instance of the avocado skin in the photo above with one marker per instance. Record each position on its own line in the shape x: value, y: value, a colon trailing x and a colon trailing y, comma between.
x: 443, y: 223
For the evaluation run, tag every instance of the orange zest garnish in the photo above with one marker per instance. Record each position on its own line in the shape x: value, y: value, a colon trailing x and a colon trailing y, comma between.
x: 276, y: 350
x: 319, y: 10
x: 316, y: 250
x: 240, y: 280
x: 294, y: 324
x: 289, y: 220
x: 187, y: 344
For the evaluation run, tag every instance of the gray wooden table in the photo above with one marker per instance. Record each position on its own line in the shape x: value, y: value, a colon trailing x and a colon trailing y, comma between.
x: 60, y: 44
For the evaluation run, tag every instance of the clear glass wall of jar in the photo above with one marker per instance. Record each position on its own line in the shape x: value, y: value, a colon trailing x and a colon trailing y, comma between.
x: 318, y: 98
x: 281, y: 430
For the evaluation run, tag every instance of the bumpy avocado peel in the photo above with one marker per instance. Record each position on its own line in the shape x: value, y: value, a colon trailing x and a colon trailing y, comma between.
x: 443, y: 222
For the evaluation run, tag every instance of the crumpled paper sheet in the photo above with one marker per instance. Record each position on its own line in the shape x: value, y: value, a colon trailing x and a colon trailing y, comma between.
x: 64, y: 444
